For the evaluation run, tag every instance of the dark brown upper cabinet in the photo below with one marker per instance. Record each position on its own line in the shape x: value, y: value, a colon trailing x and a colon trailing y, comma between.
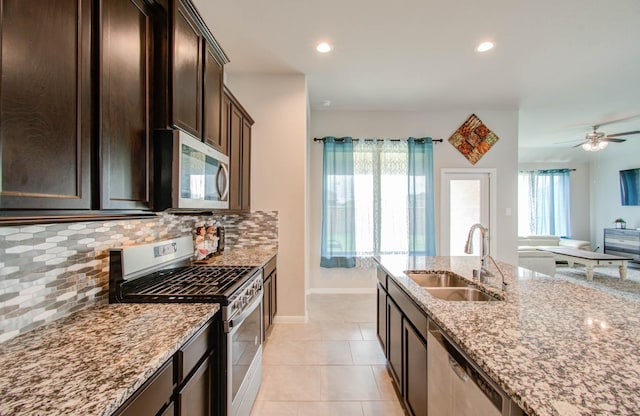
x: 196, y: 66
x: 45, y: 104
x: 212, y: 100
x: 238, y: 133
x: 125, y: 104
x: 186, y: 68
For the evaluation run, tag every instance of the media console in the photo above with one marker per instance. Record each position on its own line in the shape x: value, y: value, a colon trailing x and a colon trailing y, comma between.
x: 622, y: 242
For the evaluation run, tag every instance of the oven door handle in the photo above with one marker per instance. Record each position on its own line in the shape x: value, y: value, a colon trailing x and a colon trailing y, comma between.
x: 237, y: 320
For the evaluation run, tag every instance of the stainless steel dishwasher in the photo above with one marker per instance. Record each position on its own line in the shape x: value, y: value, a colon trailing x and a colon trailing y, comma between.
x: 456, y: 387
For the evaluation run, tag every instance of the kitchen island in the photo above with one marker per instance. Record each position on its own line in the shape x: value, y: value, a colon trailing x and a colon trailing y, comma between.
x: 556, y: 348
x: 92, y: 361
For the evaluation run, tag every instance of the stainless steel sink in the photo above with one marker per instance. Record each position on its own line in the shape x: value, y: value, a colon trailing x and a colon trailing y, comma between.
x: 468, y: 294
x: 442, y: 279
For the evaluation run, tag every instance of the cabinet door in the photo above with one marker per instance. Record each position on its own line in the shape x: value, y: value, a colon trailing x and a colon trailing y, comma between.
x: 274, y: 295
x: 235, y: 158
x: 194, y: 398
x: 415, y: 371
x: 45, y: 104
x: 266, y: 306
x: 125, y: 104
x: 394, y: 347
x: 213, y: 101
x: 381, y: 321
x: 187, y: 71
x: 246, y: 165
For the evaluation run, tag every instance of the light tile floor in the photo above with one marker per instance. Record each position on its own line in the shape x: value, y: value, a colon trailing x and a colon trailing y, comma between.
x: 330, y: 366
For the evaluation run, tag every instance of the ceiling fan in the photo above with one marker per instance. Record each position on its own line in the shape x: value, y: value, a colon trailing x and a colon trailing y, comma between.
x: 596, y: 140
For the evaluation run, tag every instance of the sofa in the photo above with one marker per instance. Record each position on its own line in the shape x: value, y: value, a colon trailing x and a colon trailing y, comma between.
x: 541, y: 261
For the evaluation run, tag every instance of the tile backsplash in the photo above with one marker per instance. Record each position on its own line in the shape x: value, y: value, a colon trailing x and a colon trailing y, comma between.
x: 49, y: 271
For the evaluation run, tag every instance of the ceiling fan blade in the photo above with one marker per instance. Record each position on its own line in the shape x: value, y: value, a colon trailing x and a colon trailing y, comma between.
x: 606, y: 123
x: 570, y: 141
x: 612, y: 140
x: 580, y: 144
x: 627, y: 133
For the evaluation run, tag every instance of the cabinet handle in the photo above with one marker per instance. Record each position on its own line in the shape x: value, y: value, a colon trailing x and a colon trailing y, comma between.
x: 458, y: 370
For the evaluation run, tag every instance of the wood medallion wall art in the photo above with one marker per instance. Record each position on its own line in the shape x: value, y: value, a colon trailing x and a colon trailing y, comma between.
x: 473, y: 139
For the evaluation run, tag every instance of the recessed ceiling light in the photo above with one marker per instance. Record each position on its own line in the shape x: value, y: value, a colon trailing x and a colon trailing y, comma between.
x: 485, y: 46
x: 323, y: 47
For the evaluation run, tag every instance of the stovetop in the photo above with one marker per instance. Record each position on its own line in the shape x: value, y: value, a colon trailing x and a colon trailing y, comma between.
x: 190, y: 283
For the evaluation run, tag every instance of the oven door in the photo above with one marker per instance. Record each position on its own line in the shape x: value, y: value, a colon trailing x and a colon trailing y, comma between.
x: 244, y: 359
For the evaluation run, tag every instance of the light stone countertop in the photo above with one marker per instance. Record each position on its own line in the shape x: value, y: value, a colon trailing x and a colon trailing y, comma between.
x: 257, y: 257
x: 557, y: 348
x: 92, y: 361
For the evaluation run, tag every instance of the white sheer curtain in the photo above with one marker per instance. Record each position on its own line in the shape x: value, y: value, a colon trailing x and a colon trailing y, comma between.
x: 380, y: 189
x: 544, y: 203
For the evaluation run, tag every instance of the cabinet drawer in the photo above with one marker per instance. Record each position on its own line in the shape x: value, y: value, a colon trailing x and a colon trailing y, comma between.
x: 152, y: 396
x: 192, y: 352
x: 408, y: 307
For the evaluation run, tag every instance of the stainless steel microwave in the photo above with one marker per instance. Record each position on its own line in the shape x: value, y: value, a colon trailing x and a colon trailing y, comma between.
x: 188, y: 174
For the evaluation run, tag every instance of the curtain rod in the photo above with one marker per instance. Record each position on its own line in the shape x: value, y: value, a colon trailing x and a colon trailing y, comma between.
x: 547, y: 170
x: 316, y: 139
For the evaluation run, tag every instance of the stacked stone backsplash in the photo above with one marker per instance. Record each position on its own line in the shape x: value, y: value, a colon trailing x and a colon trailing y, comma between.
x: 49, y: 271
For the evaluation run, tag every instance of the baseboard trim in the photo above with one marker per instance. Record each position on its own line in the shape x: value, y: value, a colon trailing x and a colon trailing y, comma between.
x: 341, y: 291
x: 295, y: 319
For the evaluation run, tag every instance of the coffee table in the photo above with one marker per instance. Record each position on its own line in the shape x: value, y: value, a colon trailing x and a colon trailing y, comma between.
x: 590, y: 259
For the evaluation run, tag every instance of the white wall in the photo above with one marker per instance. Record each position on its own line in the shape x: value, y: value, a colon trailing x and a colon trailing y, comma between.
x: 278, y: 104
x: 503, y: 157
x: 605, y: 187
x: 580, y: 195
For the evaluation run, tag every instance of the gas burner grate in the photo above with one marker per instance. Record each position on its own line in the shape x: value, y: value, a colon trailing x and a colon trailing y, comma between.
x: 192, y: 281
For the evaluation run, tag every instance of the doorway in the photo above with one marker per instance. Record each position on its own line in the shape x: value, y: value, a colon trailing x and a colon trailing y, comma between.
x: 468, y: 197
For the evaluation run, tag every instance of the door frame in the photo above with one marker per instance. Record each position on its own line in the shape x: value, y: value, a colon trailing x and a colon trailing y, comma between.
x: 444, y: 205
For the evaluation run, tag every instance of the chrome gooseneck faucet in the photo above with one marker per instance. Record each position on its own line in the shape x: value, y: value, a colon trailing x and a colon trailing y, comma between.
x: 484, y: 273
x: 468, y: 248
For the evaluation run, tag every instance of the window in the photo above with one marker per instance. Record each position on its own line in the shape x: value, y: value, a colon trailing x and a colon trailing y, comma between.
x: 544, y: 202
x: 377, y: 199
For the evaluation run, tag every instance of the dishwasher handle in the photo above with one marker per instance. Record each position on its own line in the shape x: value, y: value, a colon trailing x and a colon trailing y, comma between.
x: 458, y: 370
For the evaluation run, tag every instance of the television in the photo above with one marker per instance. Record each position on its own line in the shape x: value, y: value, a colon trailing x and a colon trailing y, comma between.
x: 630, y: 186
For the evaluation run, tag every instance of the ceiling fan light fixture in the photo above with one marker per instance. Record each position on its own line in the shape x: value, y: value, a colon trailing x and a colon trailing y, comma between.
x: 591, y: 147
x: 602, y: 145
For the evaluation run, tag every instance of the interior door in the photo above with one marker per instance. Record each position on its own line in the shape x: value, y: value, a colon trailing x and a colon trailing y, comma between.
x: 466, y: 200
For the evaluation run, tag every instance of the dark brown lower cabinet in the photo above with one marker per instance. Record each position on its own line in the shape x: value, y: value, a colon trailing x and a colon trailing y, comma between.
x: 415, y: 370
x: 381, y: 321
x: 402, y: 328
x: 194, y: 397
x: 183, y: 386
x: 269, y: 297
x: 153, y: 397
x: 394, y: 346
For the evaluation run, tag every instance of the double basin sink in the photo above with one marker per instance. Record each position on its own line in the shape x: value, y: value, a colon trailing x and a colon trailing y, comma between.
x: 448, y: 286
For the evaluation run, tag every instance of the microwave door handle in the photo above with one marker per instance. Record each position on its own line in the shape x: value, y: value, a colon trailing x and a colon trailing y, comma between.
x: 222, y: 168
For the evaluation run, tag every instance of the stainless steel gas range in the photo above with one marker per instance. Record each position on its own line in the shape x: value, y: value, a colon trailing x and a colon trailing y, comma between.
x: 162, y: 272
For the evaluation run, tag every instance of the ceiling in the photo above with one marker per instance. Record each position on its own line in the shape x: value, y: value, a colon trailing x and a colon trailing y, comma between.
x: 565, y: 65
